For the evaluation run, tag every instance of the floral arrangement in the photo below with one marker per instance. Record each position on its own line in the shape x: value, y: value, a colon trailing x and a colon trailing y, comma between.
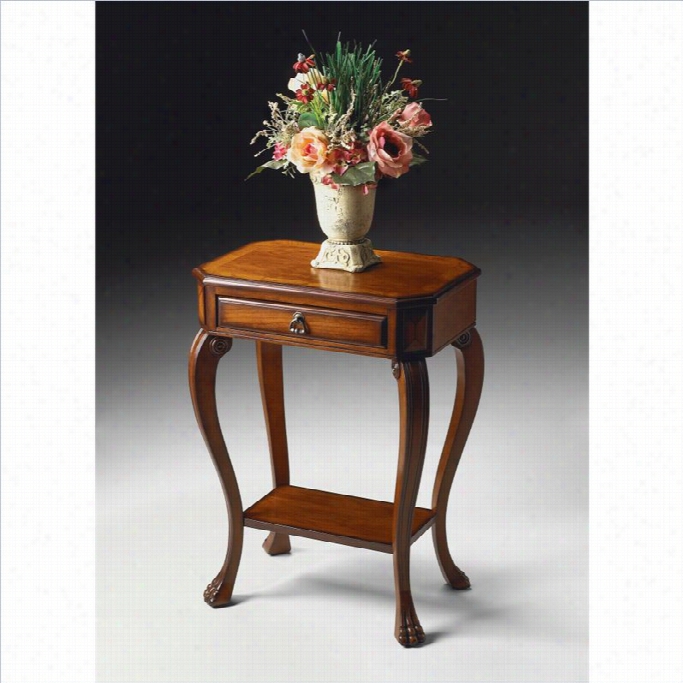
x: 343, y: 126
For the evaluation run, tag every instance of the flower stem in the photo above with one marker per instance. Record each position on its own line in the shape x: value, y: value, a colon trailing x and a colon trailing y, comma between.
x: 393, y: 80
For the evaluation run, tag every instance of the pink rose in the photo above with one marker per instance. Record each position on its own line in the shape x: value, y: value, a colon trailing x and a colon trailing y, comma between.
x: 308, y: 151
x: 414, y: 115
x: 390, y: 149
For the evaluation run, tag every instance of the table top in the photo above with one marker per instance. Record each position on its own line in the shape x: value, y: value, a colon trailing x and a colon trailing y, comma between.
x: 284, y: 262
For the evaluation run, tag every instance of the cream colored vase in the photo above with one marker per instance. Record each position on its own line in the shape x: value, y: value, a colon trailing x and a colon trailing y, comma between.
x: 345, y: 216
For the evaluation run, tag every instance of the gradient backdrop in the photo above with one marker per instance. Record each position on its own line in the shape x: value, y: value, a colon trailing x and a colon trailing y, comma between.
x: 181, y: 90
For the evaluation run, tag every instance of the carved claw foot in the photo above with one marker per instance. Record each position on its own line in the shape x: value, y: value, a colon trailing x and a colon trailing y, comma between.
x: 212, y: 594
x: 458, y: 580
x: 408, y: 629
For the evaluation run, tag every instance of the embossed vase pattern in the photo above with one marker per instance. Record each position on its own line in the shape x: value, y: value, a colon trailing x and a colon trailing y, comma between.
x: 345, y: 215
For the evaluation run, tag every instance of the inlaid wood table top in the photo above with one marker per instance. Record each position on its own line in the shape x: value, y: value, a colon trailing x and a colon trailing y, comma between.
x: 400, y: 275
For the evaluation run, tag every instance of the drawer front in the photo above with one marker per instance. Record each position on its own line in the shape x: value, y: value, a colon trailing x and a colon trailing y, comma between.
x: 347, y: 327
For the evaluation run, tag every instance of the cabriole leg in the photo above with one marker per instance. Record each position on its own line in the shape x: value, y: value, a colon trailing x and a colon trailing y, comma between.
x: 413, y: 390
x: 469, y: 356
x: 206, y: 352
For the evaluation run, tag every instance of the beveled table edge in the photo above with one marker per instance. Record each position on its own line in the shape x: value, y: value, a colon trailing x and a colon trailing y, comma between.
x: 208, y: 278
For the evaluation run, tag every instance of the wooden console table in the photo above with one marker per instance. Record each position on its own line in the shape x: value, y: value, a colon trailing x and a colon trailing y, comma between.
x: 405, y: 309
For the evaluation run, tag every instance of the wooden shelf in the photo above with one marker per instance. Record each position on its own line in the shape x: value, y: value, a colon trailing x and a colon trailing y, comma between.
x: 333, y: 517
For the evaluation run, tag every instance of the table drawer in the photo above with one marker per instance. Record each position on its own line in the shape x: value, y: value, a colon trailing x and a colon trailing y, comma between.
x: 302, y: 321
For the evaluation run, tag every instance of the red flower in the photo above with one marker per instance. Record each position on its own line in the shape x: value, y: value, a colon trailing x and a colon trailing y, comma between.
x: 355, y: 155
x: 305, y: 93
x: 410, y: 86
x: 337, y: 157
x: 280, y: 151
x: 303, y: 63
x: 404, y: 56
x: 326, y: 86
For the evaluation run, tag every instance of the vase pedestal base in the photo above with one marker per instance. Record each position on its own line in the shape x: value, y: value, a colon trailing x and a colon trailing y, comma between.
x: 353, y: 257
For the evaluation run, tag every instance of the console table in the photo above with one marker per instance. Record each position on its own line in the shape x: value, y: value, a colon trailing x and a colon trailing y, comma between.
x: 404, y: 309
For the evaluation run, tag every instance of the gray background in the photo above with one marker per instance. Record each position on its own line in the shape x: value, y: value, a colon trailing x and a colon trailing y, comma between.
x: 181, y: 88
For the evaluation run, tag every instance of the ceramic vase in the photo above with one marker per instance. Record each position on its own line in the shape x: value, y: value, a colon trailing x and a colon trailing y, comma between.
x: 345, y: 216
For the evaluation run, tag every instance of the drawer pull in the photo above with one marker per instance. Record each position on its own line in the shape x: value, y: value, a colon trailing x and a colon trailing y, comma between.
x: 298, y: 324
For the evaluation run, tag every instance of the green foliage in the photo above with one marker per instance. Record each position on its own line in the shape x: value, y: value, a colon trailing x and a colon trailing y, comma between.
x: 308, y: 118
x: 269, y: 164
x: 357, y: 175
x: 358, y: 80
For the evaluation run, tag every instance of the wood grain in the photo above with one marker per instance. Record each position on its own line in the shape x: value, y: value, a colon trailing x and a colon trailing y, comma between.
x: 285, y: 262
x: 413, y: 390
x: 269, y: 363
x: 469, y: 355
x: 206, y: 352
x: 321, y: 323
x: 348, y: 520
x: 407, y: 307
x: 454, y: 313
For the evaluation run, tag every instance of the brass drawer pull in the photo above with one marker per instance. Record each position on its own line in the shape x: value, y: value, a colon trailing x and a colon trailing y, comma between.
x: 298, y: 324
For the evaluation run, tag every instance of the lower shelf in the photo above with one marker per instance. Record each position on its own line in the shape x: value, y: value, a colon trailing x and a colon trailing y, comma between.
x: 325, y: 516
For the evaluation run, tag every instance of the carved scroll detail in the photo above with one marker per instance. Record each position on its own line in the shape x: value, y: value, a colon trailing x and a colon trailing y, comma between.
x: 220, y: 345
x: 464, y: 340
